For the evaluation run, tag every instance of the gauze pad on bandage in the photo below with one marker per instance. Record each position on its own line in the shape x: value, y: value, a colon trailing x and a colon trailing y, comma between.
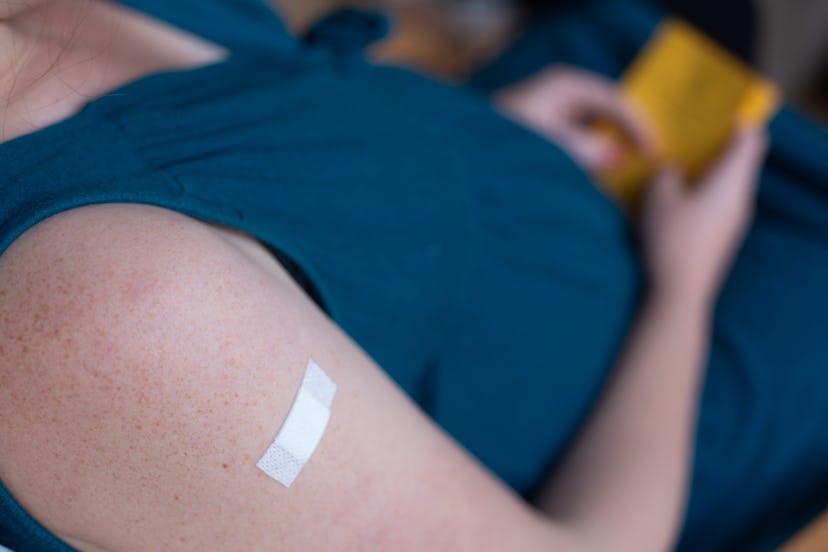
x: 303, y: 427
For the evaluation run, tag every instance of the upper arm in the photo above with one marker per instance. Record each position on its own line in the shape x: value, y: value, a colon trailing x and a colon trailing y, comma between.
x: 147, y: 364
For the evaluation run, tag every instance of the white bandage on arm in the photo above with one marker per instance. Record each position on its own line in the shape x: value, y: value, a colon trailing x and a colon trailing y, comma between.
x: 303, y: 428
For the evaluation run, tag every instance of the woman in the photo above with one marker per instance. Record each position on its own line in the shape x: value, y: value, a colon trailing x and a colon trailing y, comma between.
x: 176, y: 250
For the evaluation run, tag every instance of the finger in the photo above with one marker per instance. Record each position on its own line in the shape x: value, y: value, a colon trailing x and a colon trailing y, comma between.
x: 591, y: 150
x: 736, y: 173
x: 599, y: 96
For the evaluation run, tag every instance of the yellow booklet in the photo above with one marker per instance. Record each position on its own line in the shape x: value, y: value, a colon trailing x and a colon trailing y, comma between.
x: 696, y: 94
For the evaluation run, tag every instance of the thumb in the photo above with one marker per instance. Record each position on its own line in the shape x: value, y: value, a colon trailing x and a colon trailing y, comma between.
x: 735, y: 175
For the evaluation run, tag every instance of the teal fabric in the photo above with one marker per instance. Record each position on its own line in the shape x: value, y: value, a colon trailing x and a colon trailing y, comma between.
x: 470, y: 258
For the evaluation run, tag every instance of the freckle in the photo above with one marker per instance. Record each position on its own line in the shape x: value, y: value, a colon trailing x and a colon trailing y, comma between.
x: 177, y: 498
x: 139, y: 427
x: 25, y: 349
x: 247, y: 457
x: 225, y: 466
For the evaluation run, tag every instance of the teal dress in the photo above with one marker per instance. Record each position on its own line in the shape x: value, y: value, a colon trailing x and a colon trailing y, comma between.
x: 470, y: 258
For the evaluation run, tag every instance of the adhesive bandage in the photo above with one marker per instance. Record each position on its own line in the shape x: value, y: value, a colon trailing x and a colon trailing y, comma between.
x: 303, y: 427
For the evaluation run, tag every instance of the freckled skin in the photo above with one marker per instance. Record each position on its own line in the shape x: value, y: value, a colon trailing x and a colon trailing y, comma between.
x: 70, y: 325
x: 140, y: 287
x: 148, y: 370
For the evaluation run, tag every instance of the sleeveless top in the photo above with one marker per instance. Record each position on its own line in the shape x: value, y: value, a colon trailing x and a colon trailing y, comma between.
x: 469, y: 257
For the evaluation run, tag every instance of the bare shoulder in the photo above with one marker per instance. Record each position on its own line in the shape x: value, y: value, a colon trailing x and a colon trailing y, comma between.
x: 147, y: 363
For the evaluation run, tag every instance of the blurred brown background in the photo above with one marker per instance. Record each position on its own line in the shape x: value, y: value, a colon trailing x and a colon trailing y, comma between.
x: 449, y: 38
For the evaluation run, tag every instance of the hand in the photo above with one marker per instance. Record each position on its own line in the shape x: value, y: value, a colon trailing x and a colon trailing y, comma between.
x: 691, y: 235
x: 558, y: 102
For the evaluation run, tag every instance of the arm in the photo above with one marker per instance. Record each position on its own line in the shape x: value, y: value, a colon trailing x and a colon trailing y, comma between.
x: 623, y: 484
x: 151, y: 361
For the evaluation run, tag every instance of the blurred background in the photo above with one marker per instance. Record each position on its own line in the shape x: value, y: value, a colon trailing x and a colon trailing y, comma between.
x: 785, y: 39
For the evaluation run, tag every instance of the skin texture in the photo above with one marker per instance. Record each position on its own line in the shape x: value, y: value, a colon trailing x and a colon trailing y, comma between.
x: 147, y: 361
x: 9, y: 8
x: 57, y: 55
x: 154, y: 361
